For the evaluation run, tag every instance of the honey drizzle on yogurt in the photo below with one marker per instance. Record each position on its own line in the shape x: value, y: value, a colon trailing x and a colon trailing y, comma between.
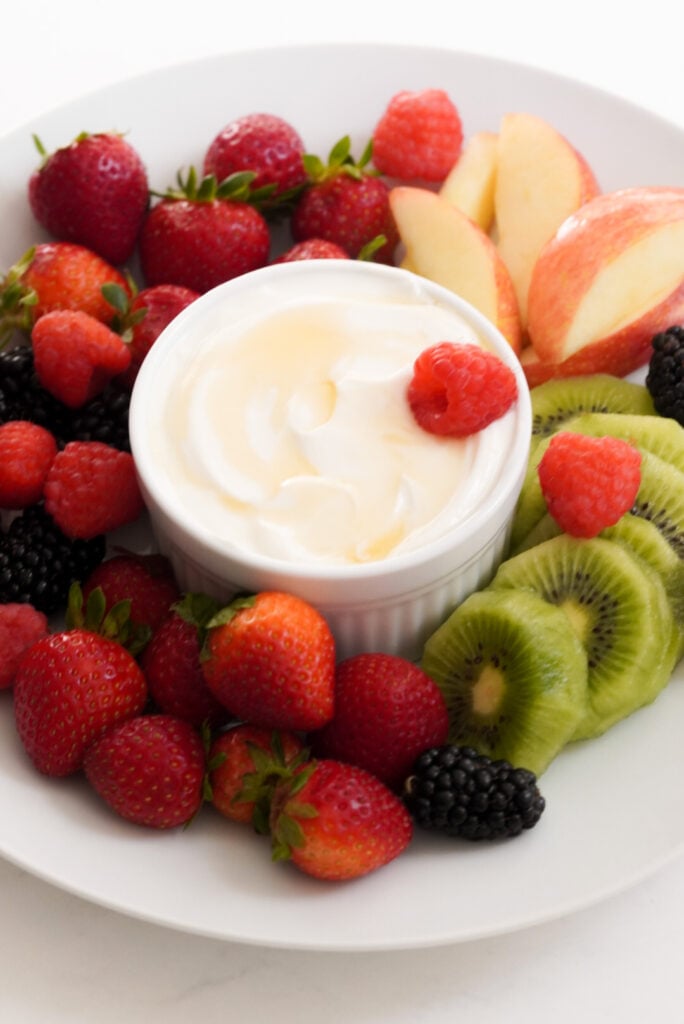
x: 292, y: 436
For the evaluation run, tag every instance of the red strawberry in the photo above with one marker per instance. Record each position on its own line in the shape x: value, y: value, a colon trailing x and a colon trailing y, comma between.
x: 313, y: 249
x: 171, y: 663
x: 345, y: 204
x: 245, y: 764
x: 336, y: 821
x: 21, y: 626
x: 94, y: 192
x: 70, y: 688
x: 148, y: 314
x: 147, y: 581
x: 75, y: 356
x: 265, y: 144
x: 419, y: 135
x: 26, y: 454
x: 92, y: 488
x: 149, y: 770
x: 589, y: 482
x: 56, y: 275
x: 387, y: 711
x: 270, y: 659
x: 199, y: 236
x: 457, y: 389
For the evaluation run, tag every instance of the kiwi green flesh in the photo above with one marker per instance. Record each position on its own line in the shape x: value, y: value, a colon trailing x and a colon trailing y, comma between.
x: 659, y: 435
x: 661, y: 442
x: 618, y: 606
x: 513, y: 674
x: 647, y: 542
x: 557, y: 401
x: 644, y: 539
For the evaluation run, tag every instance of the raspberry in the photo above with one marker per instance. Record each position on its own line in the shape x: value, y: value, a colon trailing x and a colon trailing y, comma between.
x: 20, y: 626
x: 419, y: 136
x: 457, y: 390
x: 665, y: 378
x: 91, y: 489
x: 26, y: 454
x: 75, y: 355
x: 589, y: 482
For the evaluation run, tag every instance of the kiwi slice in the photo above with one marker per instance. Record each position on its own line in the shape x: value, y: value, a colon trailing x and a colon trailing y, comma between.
x: 657, y: 434
x: 619, y: 609
x: 658, y: 438
x: 531, y: 504
x: 559, y: 400
x: 648, y: 543
x: 660, y: 499
x: 514, y: 676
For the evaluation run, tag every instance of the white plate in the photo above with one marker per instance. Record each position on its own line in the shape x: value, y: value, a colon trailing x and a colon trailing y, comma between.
x: 614, y: 806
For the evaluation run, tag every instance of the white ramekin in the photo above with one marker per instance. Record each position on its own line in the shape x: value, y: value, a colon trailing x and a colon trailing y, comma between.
x: 391, y: 605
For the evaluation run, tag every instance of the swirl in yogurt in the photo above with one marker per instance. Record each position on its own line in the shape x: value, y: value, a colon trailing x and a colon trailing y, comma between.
x: 289, y: 433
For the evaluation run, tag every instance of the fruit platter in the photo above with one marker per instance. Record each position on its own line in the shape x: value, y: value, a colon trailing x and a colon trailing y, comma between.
x: 598, y: 821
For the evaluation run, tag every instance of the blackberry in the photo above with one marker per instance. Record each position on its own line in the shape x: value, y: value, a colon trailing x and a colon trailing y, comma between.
x: 38, y: 562
x: 104, y: 419
x: 665, y: 378
x: 23, y: 398
x: 461, y: 793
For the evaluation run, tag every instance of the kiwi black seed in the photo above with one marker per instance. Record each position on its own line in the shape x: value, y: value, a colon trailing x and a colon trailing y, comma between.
x: 643, y: 538
x: 514, y: 676
x: 660, y: 499
x: 648, y: 543
x: 620, y: 611
x: 559, y: 400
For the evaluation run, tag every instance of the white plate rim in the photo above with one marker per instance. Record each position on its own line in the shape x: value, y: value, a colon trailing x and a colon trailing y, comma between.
x: 61, y: 874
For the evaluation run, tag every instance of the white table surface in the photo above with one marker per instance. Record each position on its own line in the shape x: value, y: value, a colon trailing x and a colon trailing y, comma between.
x: 65, y: 960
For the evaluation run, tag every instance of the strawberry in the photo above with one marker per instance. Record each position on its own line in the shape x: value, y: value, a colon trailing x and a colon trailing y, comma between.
x: 75, y: 356
x: 345, y: 203
x: 270, y: 659
x: 94, y: 192
x: 149, y: 769
x: 313, y: 249
x: 419, y: 136
x: 56, y: 275
x: 459, y: 389
x: 92, y: 488
x: 21, y: 626
x: 172, y: 667
x: 70, y: 687
x: 245, y: 764
x: 150, y: 311
x: 147, y: 581
x: 264, y: 144
x: 200, y: 235
x: 387, y: 711
x: 26, y: 454
x: 336, y: 821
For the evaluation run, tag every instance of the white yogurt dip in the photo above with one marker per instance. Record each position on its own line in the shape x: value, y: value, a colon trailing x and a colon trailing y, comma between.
x: 285, y: 429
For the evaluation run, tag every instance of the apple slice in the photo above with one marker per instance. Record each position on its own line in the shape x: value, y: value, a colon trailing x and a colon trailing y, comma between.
x: 541, y: 179
x: 612, y: 277
x: 470, y: 183
x: 447, y: 247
